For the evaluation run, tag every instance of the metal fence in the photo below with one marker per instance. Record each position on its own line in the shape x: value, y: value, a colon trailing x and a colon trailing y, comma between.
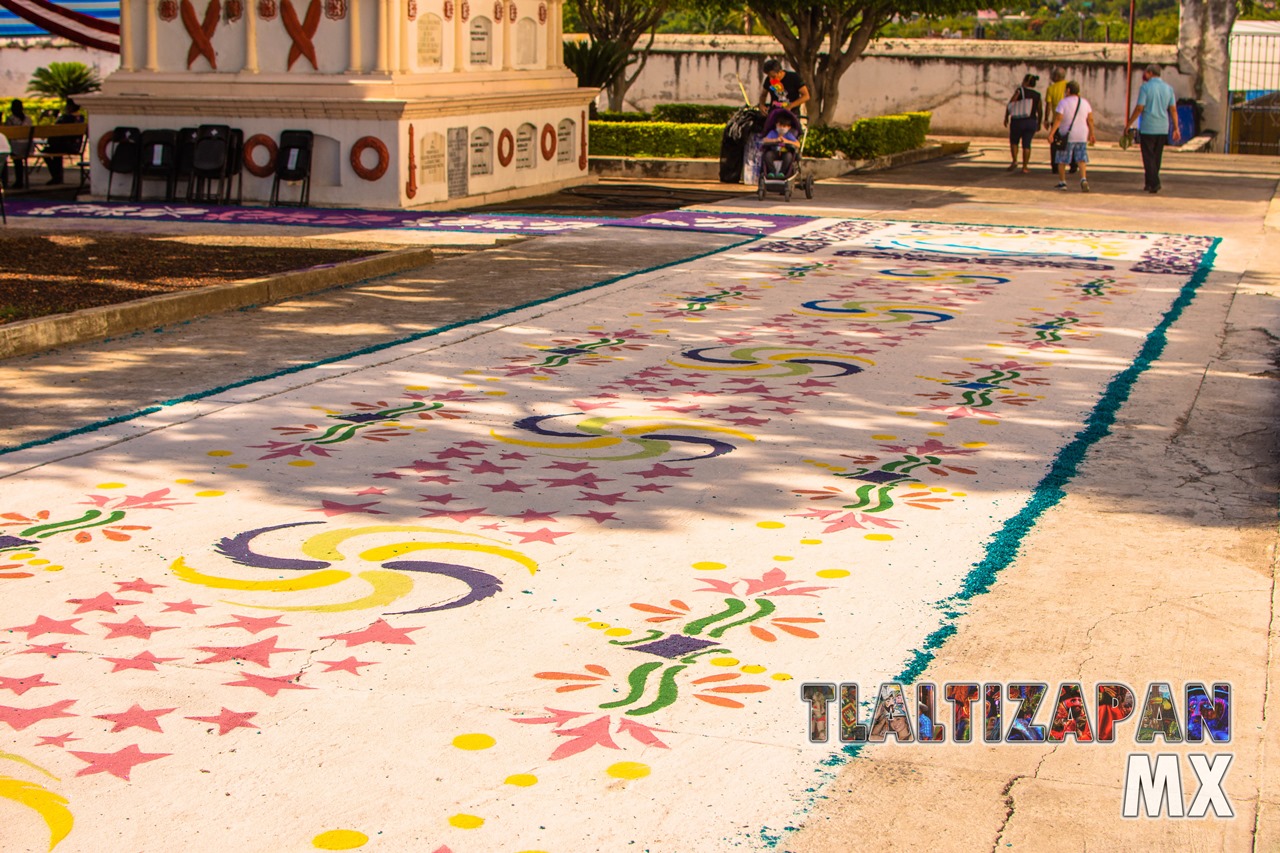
x: 1254, y: 123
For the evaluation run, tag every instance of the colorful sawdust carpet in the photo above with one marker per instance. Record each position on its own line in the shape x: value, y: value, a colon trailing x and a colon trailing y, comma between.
x: 553, y: 581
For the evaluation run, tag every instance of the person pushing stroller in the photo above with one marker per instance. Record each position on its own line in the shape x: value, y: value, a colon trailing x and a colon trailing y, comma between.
x: 783, y: 92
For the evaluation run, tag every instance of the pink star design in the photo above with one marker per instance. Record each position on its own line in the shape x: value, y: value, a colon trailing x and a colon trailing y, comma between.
x: 22, y: 685
x: 571, y: 466
x: 692, y: 407
x: 653, y: 487
x: 597, y: 516
x: 531, y: 515
x: 45, y: 625
x: 136, y: 717
x: 378, y: 632
x: 138, y: 585
x: 421, y: 467
x: 227, y: 720
x: 660, y: 470
x: 487, y: 467
x: 747, y: 421
x: 19, y: 718
x: 259, y: 652
x: 388, y: 475
x: 56, y: 740
x: 542, y: 535
x: 350, y: 665
x: 447, y: 498
x: 455, y: 453
x: 332, y: 508
x: 507, y: 486
x: 133, y: 628
x: 118, y: 764
x: 587, y: 481
x: 371, y: 490
x: 54, y: 650
x: 517, y: 456
x: 607, y: 500
x: 269, y: 686
x: 143, y: 660
x: 253, y: 624
x: 443, y: 480
x: 459, y: 515
x: 105, y: 603
x: 187, y: 606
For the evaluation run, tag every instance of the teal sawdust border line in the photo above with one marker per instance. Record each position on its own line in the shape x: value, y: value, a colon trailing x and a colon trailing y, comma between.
x: 1001, y: 549
x: 417, y: 336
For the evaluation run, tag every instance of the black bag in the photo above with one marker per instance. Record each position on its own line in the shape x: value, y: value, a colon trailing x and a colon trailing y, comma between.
x: 732, y: 143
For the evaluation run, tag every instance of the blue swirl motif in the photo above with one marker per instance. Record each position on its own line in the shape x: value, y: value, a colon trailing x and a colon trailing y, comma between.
x: 651, y: 436
x: 777, y: 361
x: 881, y: 312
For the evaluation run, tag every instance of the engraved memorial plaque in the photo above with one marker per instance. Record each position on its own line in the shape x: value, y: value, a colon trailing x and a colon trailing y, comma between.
x: 564, y: 141
x: 431, y: 42
x: 433, y: 158
x: 481, y: 42
x: 459, y: 148
x: 482, y: 151
x: 526, y: 147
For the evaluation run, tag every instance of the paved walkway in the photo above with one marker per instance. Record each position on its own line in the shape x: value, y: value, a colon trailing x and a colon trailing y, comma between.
x: 1157, y: 565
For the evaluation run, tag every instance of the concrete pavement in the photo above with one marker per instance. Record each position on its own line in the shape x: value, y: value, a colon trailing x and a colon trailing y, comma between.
x: 1159, y: 563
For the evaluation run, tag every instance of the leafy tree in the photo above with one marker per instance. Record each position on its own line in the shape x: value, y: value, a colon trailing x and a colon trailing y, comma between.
x: 621, y: 22
x: 822, y: 40
x: 64, y: 79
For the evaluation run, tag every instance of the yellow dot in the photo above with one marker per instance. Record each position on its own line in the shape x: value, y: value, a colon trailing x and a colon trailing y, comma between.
x: 833, y: 573
x: 470, y: 384
x: 184, y: 482
x: 884, y: 438
x: 837, y: 468
x: 960, y: 494
x: 417, y: 387
x: 974, y: 444
x: 238, y: 465
x: 782, y: 558
x: 628, y: 770
x: 938, y: 489
x: 473, y: 741
x: 53, y: 568
x: 780, y: 676
x: 617, y: 632
x: 753, y: 668
x: 770, y: 525
x: 709, y: 567
x: 989, y: 423
x: 599, y: 626
x: 582, y: 619
x: 724, y: 661
x: 109, y: 486
x: 661, y: 331
x: 909, y: 414
x: 210, y: 493
x: 496, y: 393
x: 22, y: 555
x: 220, y: 453
x: 810, y: 541
x: 340, y: 839
x: 39, y: 562
x: 521, y: 780
x: 636, y: 314
x: 878, y: 537
x: 466, y: 821
x: 493, y: 379
x: 302, y: 463
x: 541, y: 378
x: 935, y: 433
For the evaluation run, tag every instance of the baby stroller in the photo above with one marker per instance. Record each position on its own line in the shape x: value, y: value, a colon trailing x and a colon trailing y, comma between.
x: 774, y: 180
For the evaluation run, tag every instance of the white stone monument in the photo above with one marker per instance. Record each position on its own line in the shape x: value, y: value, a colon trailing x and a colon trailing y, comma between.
x: 414, y: 103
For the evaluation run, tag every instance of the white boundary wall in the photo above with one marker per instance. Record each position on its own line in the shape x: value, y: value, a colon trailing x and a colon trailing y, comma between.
x: 964, y: 83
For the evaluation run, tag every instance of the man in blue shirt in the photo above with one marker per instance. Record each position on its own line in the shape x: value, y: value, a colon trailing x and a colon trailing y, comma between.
x: 1155, y: 112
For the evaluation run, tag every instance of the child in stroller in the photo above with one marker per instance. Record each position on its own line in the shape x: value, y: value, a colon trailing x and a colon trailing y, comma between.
x: 780, y: 147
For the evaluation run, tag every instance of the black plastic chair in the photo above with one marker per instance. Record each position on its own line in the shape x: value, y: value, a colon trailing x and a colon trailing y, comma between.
x: 186, y: 158
x: 209, y: 163
x: 234, y: 170
x: 159, y: 161
x: 125, y: 156
x: 293, y: 164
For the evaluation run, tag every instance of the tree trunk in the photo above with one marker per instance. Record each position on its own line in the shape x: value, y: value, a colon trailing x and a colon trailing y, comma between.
x: 1204, y: 32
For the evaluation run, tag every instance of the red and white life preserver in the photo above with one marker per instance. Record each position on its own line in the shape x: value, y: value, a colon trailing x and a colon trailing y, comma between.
x: 548, y: 141
x: 379, y: 147
x: 251, y: 145
x: 103, y: 141
x: 506, y: 148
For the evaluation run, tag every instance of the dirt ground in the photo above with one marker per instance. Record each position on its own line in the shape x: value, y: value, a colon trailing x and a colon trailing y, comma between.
x: 45, y: 273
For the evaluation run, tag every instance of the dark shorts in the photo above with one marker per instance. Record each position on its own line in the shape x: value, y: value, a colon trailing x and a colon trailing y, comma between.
x: 1023, y: 130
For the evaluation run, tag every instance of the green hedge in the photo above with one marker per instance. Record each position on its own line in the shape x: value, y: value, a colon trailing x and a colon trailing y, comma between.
x: 655, y: 139
x: 693, y: 113
x: 870, y: 137
x: 611, y: 115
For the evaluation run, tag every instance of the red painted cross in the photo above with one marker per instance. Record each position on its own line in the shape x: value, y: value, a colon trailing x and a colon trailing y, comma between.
x: 201, y: 33
x: 301, y: 33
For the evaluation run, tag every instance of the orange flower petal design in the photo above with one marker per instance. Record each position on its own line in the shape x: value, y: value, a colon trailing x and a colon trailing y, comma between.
x: 719, y: 700
x: 727, y: 676
x: 799, y: 632
x: 768, y: 637
x: 565, y: 676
